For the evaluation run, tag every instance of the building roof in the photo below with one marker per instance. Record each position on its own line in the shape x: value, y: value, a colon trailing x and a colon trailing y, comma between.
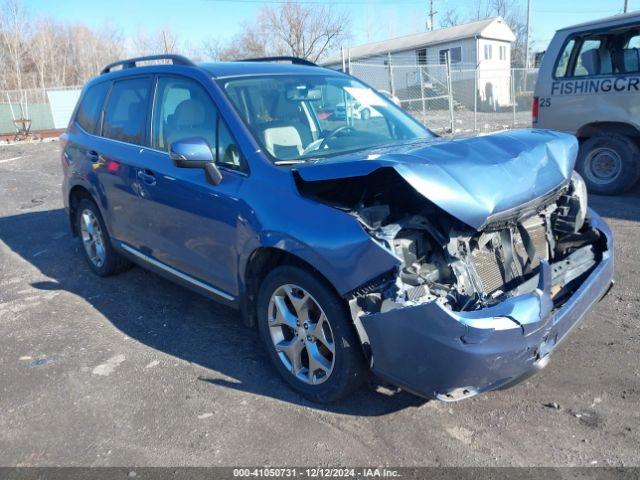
x: 621, y: 17
x: 493, y: 28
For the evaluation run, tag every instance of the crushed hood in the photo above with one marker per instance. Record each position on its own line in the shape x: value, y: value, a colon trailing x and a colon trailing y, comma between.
x: 472, y: 178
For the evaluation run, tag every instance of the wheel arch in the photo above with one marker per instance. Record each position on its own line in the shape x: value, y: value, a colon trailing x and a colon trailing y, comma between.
x: 621, y: 128
x: 76, y: 194
x: 261, y: 261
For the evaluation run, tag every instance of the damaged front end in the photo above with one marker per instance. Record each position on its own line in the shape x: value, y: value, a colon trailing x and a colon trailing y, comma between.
x: 443, y: 260
x: 470, y: 309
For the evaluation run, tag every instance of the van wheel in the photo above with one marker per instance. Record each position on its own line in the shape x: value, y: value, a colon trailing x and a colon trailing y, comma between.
x: 307, y: 331
x: 609, y: 164
x: 98, y: 251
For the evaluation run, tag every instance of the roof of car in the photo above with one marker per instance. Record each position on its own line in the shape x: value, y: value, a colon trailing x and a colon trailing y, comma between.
x: 614, y: 19
x: 234, y: 69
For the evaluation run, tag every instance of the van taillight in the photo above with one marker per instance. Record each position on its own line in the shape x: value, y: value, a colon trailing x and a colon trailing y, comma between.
x: 534, y: 110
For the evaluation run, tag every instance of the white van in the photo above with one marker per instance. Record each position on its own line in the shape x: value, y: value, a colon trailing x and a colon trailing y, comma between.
x: 589, y: 85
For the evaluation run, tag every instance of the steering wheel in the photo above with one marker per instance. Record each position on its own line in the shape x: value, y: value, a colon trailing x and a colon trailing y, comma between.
x: 333, y: 133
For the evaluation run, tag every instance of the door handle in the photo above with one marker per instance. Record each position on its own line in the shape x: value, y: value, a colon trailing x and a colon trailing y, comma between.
x: 147, y: 176
x: 93, y: 156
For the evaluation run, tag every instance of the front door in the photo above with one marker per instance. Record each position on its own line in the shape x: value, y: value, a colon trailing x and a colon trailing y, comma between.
x: 190, y: 224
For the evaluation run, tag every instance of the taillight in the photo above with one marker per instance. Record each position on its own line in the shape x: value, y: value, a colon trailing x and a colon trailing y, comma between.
x: 534, y: 110
x: 64, y: 158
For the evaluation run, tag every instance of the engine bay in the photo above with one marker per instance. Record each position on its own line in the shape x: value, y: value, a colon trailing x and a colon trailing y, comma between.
x: 444, y: 260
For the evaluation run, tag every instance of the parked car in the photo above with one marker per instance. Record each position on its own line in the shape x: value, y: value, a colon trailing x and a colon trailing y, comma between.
x: 391, y: 96
x: 448, y: 267
x: 589, y: 85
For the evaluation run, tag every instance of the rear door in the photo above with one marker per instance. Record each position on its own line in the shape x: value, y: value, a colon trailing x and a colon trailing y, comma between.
x: 124, y: 132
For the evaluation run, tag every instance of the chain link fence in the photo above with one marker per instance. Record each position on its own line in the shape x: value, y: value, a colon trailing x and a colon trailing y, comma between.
x: 456, y: 98
x: 36, y: 109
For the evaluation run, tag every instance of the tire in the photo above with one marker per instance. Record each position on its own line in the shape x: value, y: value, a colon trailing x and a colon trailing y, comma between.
x: 365, y: 114
x: 609, y: 164
x: 111, y: 262
x: 348, y: 366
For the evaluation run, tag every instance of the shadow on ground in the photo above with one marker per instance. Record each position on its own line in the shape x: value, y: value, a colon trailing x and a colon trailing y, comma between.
x: 169, y: 318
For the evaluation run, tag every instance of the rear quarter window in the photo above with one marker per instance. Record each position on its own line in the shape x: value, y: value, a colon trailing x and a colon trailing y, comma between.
x: 563, y: 62
x: 90, y: 108
x: 126, y: 113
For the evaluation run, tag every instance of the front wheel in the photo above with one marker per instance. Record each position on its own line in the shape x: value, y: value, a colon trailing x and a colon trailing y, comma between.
x: 609, y: 164
x: 307, y: 331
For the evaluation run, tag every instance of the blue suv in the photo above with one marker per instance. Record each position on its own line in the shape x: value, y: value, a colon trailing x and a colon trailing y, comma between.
x: 353, y: 242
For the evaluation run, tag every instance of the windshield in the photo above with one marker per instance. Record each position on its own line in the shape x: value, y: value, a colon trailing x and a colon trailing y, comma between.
x: 297, y: 117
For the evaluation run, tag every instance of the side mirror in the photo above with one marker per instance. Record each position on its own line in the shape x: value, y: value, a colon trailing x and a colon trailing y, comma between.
x: 192, y: 152
x: 195, y: 152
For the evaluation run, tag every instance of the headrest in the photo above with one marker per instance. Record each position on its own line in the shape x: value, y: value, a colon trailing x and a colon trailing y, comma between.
x: 591, y: 61
x: 630, y: 60
x: 189, y: 113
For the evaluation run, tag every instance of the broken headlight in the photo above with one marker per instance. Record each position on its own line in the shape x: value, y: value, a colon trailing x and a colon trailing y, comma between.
x: 570, y: 215
x: 579, y: 190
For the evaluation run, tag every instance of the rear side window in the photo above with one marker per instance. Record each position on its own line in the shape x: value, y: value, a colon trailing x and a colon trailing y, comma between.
x: 590, y: 60
x: 88, y: 116
x: 126, y: 112
x: 562, y: 66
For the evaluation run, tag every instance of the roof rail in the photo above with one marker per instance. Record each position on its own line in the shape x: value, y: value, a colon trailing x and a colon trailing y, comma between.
x: 131, y: 62
x: 293, y: 60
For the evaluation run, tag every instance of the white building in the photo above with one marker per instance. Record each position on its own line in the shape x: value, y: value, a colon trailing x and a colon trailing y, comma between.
x: 484, y: 45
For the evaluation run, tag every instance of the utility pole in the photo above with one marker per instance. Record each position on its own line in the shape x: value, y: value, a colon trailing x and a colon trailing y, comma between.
x: 626, y: 6
x: 526, y: 41
x: 432, y: 14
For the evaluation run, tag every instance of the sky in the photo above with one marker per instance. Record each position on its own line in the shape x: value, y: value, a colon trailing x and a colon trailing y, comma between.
x: 196, y: 20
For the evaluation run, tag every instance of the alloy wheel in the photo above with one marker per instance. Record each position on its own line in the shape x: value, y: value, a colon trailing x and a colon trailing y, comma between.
x: 301, y: 334
x: 92, y: 238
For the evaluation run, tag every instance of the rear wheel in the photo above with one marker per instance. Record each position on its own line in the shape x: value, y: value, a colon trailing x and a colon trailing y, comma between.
x: 307, y: 331
x: 98, y: 251
x: 609, y: 164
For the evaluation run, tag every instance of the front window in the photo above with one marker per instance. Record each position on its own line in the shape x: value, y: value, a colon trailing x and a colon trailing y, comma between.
x: 298, y: 117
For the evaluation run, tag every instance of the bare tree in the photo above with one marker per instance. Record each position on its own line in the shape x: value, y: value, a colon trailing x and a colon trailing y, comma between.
x: 13, y: 38
x: 450, y: 18
x: 162, y: 40
x: 309, y: 31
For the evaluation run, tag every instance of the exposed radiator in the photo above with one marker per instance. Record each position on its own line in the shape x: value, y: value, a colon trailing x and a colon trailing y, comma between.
x: 489, y: 263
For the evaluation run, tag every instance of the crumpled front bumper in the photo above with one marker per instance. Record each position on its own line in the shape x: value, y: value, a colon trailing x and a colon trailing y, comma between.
x: 437, y: 353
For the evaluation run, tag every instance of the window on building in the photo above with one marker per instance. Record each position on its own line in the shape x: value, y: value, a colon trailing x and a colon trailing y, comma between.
x: 455, y: 55
x: 126, y: 112
x: 422, y: 56
x: 503, y: 52
x: 488, y: 51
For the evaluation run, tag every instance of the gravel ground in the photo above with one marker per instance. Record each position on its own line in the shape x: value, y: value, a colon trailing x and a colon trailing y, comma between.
x: 133, y: 370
